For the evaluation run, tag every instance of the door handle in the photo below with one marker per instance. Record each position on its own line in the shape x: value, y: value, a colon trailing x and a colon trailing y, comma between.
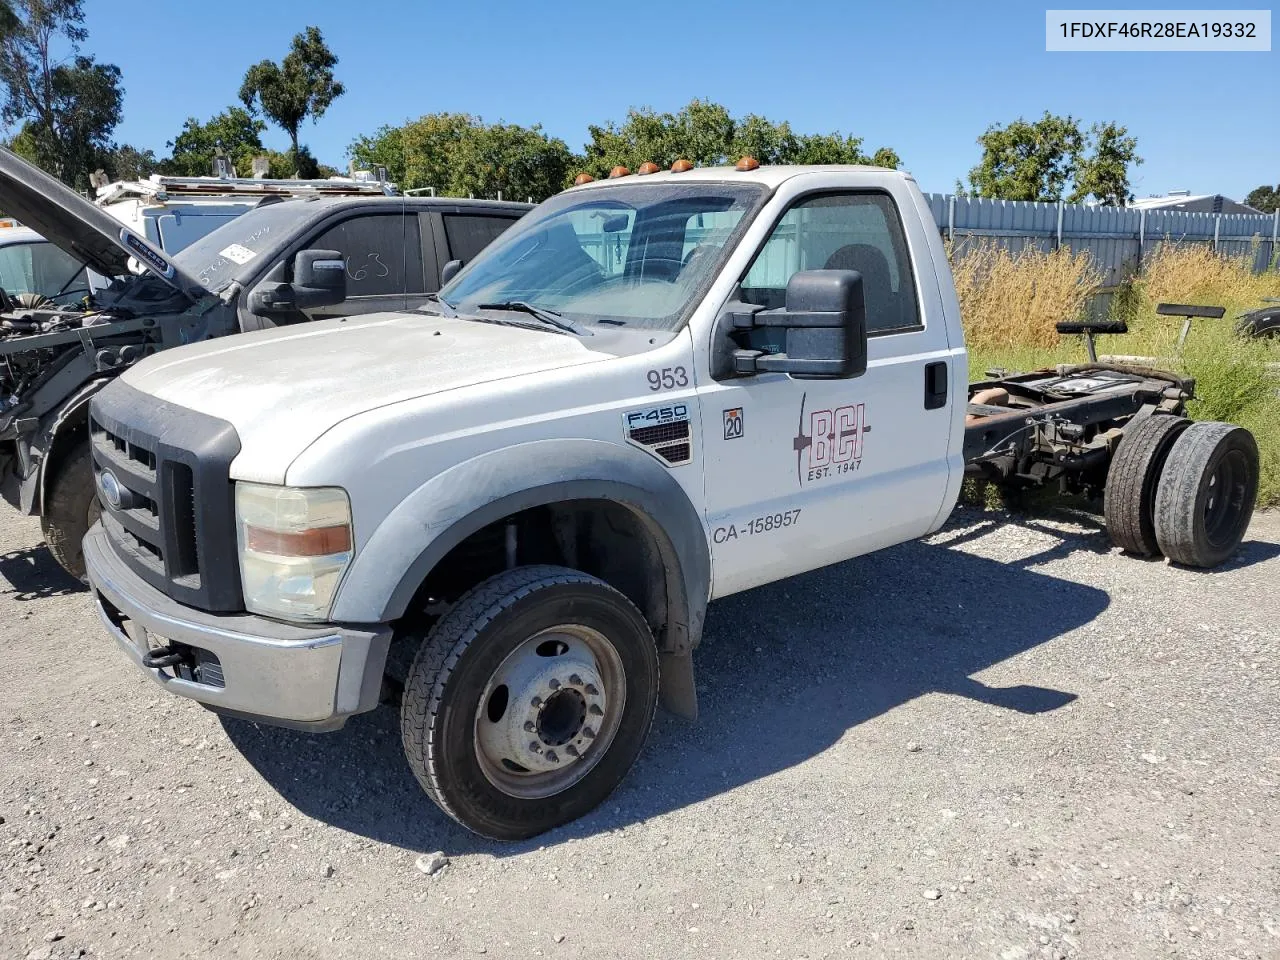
x: 935, y: 385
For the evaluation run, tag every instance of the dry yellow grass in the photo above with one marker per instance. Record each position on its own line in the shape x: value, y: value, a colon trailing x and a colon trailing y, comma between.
x: 1013, y: 300
x: 1193, y: 273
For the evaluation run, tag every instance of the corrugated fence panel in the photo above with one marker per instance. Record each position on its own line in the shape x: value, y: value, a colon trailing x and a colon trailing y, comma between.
x: 1116, y: 237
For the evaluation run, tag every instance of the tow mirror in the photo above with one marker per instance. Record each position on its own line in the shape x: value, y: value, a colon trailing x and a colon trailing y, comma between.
x: 319, y: 280
x: 820, y: 334
x: 450, y: 271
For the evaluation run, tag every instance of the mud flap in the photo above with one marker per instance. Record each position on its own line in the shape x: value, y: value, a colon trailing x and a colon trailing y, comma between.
x: 677, y: 694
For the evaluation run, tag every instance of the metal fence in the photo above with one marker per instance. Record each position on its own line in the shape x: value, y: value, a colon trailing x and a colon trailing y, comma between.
x: 1118, y: 238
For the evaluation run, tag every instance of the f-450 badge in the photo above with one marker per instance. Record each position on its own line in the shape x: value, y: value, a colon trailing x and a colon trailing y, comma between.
x: 833, y: 444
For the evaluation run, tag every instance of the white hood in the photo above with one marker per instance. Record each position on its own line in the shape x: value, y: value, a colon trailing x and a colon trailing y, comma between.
x: 282, y: 389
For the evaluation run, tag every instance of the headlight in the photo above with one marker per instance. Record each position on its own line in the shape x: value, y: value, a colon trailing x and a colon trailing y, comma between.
x: 295, y: 543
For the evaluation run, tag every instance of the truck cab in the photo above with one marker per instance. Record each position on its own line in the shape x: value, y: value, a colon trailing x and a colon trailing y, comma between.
x: 509, y: 509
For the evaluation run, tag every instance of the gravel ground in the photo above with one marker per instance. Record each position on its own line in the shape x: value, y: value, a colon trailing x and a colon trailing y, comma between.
x: 1008, y: 741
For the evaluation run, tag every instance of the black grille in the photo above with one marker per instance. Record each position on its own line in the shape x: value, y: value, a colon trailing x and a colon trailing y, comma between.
x: 670, y: 441
x: 679, y: 453
x: 174, y: 524
x: 662, y: 433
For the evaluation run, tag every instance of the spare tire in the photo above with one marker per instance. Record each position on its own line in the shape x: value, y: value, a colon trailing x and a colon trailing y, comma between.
x: 1206, y: 493
x: 1128, y: 502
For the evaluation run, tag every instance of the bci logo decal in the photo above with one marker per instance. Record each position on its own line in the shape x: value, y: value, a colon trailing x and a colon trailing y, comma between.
x: 833, y: 444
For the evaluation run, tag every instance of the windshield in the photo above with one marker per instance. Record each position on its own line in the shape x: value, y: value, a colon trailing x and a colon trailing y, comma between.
x: 219, y: 257
x: 41, y: 268
x: 629, y: 254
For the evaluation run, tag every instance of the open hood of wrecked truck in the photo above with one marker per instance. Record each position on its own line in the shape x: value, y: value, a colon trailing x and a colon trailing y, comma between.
x: 83, y: 230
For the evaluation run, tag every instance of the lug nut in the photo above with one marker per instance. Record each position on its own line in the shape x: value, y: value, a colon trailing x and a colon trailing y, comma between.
x: 572, y: 751
x: 551, y: 755
x: 529, y: 726
x: 591, y: 690
x: 534, y: 747
x: 554, y: 684
x: 588, y: 733
x: 595, y: 711
x: 536, y: 702
x: 575, y: 680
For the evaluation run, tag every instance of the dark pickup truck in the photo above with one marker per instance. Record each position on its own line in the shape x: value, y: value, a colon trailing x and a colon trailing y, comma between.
x: 256, y: 272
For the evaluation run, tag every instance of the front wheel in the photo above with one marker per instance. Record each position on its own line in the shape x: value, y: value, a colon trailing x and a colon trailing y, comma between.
x: 70, y: 508
x: 529, y: 701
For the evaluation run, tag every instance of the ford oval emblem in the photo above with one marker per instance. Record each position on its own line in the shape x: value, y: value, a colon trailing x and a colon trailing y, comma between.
x: 110, y: 488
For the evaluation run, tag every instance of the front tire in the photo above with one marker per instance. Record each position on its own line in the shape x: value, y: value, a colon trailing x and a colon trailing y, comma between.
x: 529, y: 701
x: 70, y: 508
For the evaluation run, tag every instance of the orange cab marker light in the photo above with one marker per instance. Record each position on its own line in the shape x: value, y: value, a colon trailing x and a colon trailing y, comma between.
x: 582, y: 178
x: 647, y: 168
x: 619, y: 171
x: 747, y: 163
x: 680, y: 166
x: 316, y: 542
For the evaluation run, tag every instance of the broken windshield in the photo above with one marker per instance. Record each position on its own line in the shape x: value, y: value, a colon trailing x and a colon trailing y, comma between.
x: 633, y: 254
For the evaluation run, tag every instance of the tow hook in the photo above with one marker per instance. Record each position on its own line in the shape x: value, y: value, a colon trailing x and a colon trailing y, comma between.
x: 167, y: 656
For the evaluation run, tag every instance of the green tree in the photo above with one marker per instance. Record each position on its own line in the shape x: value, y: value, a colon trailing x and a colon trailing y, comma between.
x: 65, y: 109
x: 461, y: 155
x: 192, y: 151
x: 1040, y: 160
x: 418, y: 154
x: 517, y: 161
x: 126, y: 162
x: 1028, y: 160
x: 300, y: 86
x: 1264, y: 198
x: 1104, y: 173
x: 707, y: 134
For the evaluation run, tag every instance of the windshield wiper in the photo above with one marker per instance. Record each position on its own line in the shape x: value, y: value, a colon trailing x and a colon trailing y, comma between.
x: 449, y: 310
x: 549, y: 317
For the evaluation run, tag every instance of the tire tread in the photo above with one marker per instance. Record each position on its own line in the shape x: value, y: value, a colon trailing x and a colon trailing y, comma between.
x: 445, y: 645
x: 1132, y: 478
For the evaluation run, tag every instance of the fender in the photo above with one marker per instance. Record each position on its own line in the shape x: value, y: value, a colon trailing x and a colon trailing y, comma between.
x: 48, y: 439
x: 456, y: 503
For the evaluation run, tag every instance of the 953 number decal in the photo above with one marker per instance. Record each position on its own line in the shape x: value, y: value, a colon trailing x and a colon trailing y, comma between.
x: 668, y: 378
x: 755, y: 526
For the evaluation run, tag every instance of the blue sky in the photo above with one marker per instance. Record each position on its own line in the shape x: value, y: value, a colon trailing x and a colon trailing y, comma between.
x: 924, y: 78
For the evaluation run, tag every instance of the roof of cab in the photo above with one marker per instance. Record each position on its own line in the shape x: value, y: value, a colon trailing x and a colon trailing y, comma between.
x: 770, y: 176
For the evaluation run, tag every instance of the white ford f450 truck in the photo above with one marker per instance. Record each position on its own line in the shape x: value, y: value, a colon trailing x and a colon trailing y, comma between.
x: 653, y: 391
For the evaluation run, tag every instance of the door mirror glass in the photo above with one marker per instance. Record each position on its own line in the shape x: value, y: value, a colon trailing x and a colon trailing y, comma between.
x: 821, y: 332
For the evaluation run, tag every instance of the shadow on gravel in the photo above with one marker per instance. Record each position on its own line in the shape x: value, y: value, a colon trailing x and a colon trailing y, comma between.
x: 1091, y: 538
x: 34, y: 574
x: 783, y: 672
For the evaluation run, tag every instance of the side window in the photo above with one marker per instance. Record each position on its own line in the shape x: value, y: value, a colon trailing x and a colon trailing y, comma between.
x: 855, y: 231
x: 383, y: 253
x: 469, y: 234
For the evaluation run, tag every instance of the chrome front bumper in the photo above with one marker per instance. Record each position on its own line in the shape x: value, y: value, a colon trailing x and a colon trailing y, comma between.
x: 247, y: 665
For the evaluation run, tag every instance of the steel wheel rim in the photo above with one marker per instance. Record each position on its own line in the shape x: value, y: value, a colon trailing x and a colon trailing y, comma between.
x: 1224, y: 503
x: 550, y: 711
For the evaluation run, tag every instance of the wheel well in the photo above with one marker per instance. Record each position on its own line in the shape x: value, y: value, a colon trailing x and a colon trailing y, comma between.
x: 71, y: 430
x: 601, y: 537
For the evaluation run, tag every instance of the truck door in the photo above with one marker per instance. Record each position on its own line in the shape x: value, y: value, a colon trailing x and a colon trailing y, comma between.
x: 383, y: 254
x: 801, y: 473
